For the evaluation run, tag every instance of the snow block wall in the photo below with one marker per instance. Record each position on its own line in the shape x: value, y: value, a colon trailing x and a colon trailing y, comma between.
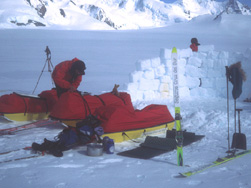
x: 200, y: 74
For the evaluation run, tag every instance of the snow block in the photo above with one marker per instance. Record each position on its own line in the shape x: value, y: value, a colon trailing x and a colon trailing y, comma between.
x: 132, y: 86
x: 164, y: 87
x: 206, y: 48
x: 213, y: 55
x: 184, y: 53
x: 149, y: 74
x: 223, y: 55
x: 145, y: 84
x: 247, y: 53
x: 182, y: 66
x: 182, y: 80
x: 199, y: 92
x: 164, y: 95
x: 201, y: 55
x: 135, y: 76
x: 136, y: 95
x: 194, y: 61
x: 160, y: 71
x: 149, y: 95
x: 220, y: 83
x: 192, y: 82
x: 213, y: 73
x: 207, y: 63
x: 165, y: 79
x: 155, y: 62
x: 208, y: 82
x: 143, y: 65
x: 184, y: 92
x: 165, y: 53
x: 220, y: 63
x: 193, y: 71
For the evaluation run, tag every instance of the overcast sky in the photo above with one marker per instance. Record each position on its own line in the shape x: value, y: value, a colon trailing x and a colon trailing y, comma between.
x: 245, y: 2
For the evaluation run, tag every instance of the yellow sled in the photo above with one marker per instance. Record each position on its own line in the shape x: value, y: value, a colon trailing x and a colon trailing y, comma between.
x: 129, y: 134
x: 25, y: 116
x: 133, y: 134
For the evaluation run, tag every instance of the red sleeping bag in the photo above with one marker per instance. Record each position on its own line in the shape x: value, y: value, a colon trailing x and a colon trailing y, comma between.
x: 18, y: 103
x: 118, y: 118
x: 74, y: 106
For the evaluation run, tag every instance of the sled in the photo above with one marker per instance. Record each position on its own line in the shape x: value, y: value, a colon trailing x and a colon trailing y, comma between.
x: 25, y: 116
x: 137, y: 133
x: 120, y: 120
x: 22, y: 107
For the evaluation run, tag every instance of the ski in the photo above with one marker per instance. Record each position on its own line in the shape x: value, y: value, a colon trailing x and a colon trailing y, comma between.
x: 25, y: 148
x: 23, y: 158
x: 218, y: 162
x: 40, y: 123
x: 176, y: 97
x: 34, y: 154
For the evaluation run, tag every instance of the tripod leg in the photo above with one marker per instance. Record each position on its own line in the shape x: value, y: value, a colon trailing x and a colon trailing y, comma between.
x: 235, y: 115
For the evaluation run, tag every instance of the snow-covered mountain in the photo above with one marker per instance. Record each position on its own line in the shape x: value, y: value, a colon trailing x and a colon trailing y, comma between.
x: 108, y: 14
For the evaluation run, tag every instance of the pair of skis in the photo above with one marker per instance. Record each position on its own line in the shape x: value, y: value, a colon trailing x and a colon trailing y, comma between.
x: 33, y: 154
x: 179, y: 133
x: 40, y: 123
x: 218, y: 162
x: 176, y: 98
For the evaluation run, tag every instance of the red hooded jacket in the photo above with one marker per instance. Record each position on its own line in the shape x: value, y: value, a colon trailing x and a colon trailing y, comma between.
x: 194, y: 47
x: 62, y: 77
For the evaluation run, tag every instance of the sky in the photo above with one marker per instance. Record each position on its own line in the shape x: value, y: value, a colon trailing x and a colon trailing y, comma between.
x: 245, y: 2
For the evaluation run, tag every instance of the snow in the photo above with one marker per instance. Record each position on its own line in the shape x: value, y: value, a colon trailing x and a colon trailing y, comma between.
x: 112, y: 57
x: 106, y: 15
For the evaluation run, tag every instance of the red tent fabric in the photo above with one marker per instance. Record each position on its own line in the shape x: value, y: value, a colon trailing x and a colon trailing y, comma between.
x: 117, y: 118
x: 75, y: 106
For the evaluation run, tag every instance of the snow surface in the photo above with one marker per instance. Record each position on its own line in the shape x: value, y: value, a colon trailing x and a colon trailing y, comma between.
x: 110, y: 57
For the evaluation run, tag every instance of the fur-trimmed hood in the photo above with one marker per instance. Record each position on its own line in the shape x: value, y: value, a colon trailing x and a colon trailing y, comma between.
x: 238, y: 66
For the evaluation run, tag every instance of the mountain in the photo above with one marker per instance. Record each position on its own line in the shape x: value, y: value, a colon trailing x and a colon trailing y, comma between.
x: 108, y: 14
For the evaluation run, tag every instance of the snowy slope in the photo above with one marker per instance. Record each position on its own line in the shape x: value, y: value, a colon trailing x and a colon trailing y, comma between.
x: 110, y: 57
x: 107, y: 14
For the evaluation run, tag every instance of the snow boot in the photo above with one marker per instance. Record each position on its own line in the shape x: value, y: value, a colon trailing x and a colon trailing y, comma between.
x: 54, y: 148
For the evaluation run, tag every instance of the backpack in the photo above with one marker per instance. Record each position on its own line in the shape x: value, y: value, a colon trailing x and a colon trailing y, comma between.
x: 82, y: 134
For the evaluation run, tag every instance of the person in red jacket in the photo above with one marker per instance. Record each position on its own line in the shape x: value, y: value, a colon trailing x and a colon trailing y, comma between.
x: 194, y: 45
x: 67, y: 75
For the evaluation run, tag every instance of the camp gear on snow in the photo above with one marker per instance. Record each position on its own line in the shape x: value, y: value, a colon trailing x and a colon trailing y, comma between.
x: 228, y: 135
x: 53, y: 147
x: 116, y: 113
x: 154, y: 146
x: 236, y: 75
x: 108, y: 145
x: 70, y: 137
x: 48, y: 63
x: 22, y: 107
x: 239, y: 139
x: 94, y: 149
x: 117, y: 120
x: 73, y: 107
x: 115, y: 90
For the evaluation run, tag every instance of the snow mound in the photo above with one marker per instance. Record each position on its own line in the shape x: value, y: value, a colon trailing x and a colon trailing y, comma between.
x: 201, y: 74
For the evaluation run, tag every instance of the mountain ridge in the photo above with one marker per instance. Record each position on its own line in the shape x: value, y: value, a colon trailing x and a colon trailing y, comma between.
x: 109, y: 14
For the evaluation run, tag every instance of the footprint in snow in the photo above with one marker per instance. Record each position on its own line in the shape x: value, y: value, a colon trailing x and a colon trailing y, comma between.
x: 141, y: 178
x: 61, y: 185
x: 194, y: 183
